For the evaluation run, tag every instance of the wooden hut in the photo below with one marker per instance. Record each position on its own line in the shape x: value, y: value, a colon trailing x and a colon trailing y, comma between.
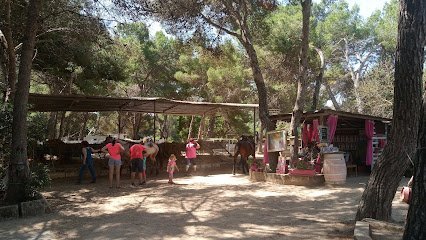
x: 360, y: 136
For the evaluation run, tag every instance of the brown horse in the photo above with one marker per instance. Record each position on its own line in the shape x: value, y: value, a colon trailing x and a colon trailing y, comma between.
x: 151, y: 150
x: 244, y: 147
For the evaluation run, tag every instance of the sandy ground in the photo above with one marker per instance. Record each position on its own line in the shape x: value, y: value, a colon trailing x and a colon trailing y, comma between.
x: 217, y: 206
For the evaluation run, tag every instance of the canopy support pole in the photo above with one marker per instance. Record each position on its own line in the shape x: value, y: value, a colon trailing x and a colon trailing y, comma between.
x: 155, y: 116
x: 119, y: 124
x: 254, y: 126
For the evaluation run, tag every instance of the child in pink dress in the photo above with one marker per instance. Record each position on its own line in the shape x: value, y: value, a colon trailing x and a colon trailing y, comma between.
x: 171, y: 166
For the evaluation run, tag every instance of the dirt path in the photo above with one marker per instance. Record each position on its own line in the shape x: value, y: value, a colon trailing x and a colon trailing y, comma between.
x: 218, y: 206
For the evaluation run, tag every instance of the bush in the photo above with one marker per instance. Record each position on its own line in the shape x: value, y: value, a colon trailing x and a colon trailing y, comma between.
x: 5, y: 133
x: 39, y: 179
x: 304, y: 165
x: 2, y: 177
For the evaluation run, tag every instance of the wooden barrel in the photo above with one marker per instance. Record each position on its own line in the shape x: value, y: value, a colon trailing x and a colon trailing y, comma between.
x: 334, y: 168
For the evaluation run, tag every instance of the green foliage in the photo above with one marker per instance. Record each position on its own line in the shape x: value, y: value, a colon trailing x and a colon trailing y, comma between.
x: 302, y: 164
x: 37, y: 127
x: 3, y: 173
x: 387, y: 27
x: 207, y: 67
x: 82, y: 59
x: 377, y: 90
x: 39, y: 179
x: 5, y: 132
x: 180, y: 131
x: 286, y: 26
x: 340, y: 22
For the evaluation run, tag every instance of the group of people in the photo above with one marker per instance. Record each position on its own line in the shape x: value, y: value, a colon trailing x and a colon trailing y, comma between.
x: 137, y: 161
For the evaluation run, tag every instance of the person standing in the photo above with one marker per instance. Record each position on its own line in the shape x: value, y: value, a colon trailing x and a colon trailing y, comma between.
x: 114, y: 149
x: 86, y: 156
x: 137, y: 163
x: 171, y: 166
x: 191, y: 154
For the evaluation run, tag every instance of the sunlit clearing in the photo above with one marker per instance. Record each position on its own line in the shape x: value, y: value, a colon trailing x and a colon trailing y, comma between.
x: 321, y: 193
x: 260, y: 230
x: 121, y: 203
x: 262, y: 193
x: 220, y: 179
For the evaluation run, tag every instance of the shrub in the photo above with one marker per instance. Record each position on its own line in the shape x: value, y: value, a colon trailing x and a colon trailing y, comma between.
x: 302, y: 164
x: 39, y: 178
x: 5, y: 133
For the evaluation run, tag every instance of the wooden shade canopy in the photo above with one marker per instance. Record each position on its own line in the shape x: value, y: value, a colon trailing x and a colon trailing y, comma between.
x: 80, y: 103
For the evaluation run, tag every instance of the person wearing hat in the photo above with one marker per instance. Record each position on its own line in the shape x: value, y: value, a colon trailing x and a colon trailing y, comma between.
x: 191, y: 154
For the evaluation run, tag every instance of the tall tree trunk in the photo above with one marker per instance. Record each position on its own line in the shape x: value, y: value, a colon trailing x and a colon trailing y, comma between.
x: 191, y: 124
x: 18, y: 167
x: 4, y: 66
x: 261, y: 136
x: 260, y: 85
x: 358, y: 100
x: 318, y: 80
x: 331, y: 95
x: 61, y: 125
x: 165, y: 128
x: 82, y: 132
x: 415, y: 227
x: 201, y: 128
x: 52, y: 125
x: 376, y: 201
x: 137, y: 117
x: 67, y: 123
x: 11, y: 63
x: 261, y: 91
x: 210, y: 129
x: 303, y: 75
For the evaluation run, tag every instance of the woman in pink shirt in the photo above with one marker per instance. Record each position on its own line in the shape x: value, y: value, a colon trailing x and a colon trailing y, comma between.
x: 191, y: 154
x: 114, y: 149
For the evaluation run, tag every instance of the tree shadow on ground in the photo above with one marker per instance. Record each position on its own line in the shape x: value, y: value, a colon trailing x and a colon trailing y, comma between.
x: 217, y: 211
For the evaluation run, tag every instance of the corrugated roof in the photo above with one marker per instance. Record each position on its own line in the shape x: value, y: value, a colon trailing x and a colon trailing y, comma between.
x: 80, y: 103
x: 309, y: 115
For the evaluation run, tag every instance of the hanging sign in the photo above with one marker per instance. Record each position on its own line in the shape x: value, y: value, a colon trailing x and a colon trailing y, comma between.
x: 323, y: 134
x: 276, y: 141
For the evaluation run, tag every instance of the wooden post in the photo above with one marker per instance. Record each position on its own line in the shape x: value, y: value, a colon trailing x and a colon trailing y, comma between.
x: 119, y: 124
x: 155, y: 129
x: 254, y: 126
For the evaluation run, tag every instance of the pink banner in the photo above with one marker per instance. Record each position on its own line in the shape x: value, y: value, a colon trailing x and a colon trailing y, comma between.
x: 305, y: 134
x: 265, y: 152
x: 369, y: 133
x: 332, y: 125
x: 314, y: 133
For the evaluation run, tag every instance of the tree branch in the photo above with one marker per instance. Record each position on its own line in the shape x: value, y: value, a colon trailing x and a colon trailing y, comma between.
x: 218, y: 26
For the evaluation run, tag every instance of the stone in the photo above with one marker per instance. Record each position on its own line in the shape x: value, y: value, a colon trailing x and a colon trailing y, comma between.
x: 362, y: 231
x: 257, y: 176
x: 384, y: 230
x: 315, y: 180
x: 33, y: 208
x: 9, y: 212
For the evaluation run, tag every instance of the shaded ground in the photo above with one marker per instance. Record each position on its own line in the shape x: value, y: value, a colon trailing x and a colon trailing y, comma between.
x: 218, y: 206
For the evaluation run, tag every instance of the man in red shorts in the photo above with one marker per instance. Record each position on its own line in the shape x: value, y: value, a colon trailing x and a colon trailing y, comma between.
x: 137, y: 163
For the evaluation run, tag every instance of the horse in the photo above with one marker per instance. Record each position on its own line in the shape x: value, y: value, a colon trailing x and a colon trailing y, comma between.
x: 244, y: 147
x: 151, y: 151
